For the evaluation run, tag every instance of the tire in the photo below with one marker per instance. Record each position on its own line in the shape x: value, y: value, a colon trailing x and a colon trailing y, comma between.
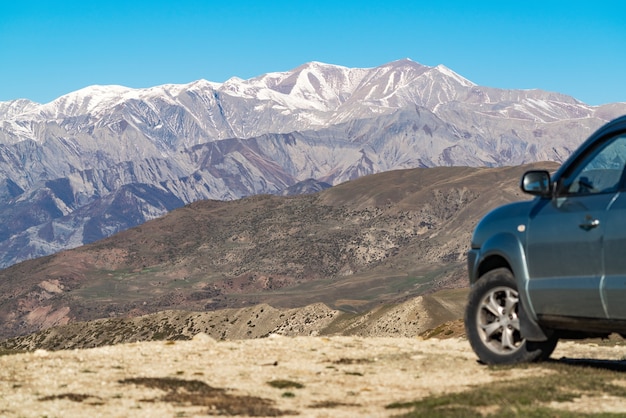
x: 492, y: 324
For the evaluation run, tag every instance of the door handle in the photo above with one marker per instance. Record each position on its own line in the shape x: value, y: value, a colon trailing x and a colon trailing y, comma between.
x: 589, y: 224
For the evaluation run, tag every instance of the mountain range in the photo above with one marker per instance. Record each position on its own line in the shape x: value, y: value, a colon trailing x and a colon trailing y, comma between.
x: 107, y: 158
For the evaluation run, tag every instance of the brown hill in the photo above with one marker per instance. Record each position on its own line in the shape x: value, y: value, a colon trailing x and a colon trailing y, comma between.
x: 428, y: 315
x: 382, y: 238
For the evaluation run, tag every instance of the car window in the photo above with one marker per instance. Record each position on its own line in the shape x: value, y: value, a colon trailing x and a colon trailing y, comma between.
x: 600, y: 171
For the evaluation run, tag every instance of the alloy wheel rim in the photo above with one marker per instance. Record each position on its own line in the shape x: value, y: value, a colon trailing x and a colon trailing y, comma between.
x: 498, y: 321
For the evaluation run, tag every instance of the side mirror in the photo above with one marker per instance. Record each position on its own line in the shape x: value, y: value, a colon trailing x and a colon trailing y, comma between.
x: 537, y: 182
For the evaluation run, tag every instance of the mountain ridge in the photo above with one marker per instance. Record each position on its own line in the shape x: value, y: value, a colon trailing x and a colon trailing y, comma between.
x: 225, y: 141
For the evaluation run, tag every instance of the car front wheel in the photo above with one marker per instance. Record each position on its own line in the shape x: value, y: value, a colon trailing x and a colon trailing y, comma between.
x: 492, y: 323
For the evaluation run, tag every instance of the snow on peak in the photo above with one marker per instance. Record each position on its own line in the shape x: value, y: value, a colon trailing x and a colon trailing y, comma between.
x: 86, y: 100
x: 313, y: 85
x: 13, y: 108
x: 451, y: 74
x: 99, y: 98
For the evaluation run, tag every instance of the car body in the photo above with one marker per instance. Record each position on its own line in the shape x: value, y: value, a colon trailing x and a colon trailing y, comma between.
x: 555, y: 266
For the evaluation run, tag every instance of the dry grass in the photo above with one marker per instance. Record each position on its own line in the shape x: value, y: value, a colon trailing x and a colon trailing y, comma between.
x: 566, y: 383
x: 314, y: 376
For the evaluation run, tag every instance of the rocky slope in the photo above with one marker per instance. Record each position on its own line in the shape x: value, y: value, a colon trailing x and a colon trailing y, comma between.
x: 421, y: 315
x: 382, y: 238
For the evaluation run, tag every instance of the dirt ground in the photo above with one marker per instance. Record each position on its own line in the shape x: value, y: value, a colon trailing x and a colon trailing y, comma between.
x: 275, y: 376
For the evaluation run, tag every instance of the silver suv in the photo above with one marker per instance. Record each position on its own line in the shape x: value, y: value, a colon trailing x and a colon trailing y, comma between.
x: 555, y: 266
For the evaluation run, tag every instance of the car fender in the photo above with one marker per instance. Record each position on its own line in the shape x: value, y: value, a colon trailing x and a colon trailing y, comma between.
x: 508, y: 247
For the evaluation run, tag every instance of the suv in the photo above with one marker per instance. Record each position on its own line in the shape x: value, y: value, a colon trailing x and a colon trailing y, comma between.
x: 555, y: 266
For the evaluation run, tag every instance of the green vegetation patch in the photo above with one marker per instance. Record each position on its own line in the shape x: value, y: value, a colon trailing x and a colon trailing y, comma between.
x: 345, y: 360
x: 526, y: 397
x: 285, y: 384
x: 74, y: 397
x: 9, y: 352
x: 198, y: 393
x: 446, y: 330
x: 331, y: 404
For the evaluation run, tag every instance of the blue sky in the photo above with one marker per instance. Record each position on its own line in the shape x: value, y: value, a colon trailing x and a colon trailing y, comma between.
x: 50, y: 48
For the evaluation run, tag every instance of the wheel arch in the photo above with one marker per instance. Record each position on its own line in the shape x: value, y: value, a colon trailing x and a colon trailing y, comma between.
x: 503, y: 250
x: 492, y: 262
x: 506, y: 251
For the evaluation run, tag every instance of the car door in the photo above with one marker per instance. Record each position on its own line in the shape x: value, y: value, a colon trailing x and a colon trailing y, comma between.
x: 613, y: 287
x: 565, y: 235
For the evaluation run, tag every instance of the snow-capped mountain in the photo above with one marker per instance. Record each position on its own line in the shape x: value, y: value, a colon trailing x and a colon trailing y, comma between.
x: 106, y: 158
